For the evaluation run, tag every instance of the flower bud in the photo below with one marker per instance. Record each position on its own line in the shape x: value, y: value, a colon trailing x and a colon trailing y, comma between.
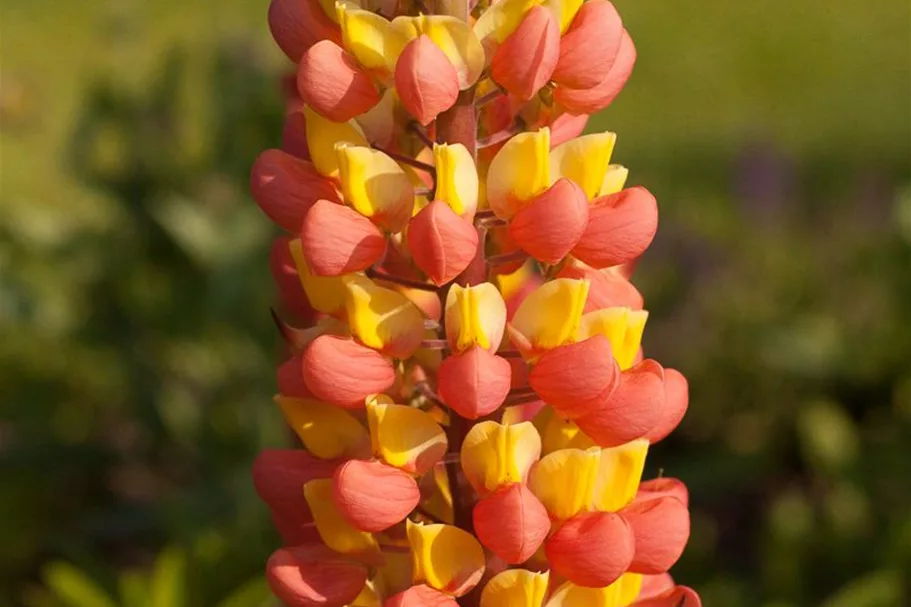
x: 294, y: 135
x: 342, y: 372
x: 314, y: 576
x: 591, y: 549
x: 661, y: 527
x: 548, y: 226
x: 620, y: 227
x: 576, y: 379
x: 441, y: 243
x: 589, y: 48
x: 338, y: 240
x: 332, y: 83
x: 474, y: 383
x: 632, y: 409
x: 661, y: 487
x: 286, y: 187
x: 425, y: 80
x: 527, y: 58
x: 420, y: 596
x: 512, y: 523
x: 676, y: 400
x: 297, y: 25
x: 373, y: 496
x: 593, y: 100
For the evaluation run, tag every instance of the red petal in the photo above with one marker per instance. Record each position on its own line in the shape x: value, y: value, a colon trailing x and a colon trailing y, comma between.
x: 512, y: 523
x: 590, y: 46
x: 314, y: 576
x: 475, y: 382
x: 567, y: 126
x: 679, y: 596
x: 286, y: 187
x: 598, y: 97
x: 551, y: 224
x: 284, y: 273
x: 373, y: 496
x: 632, y: 410
x: 343, y: 372
x: 332, y: 83
x: 607, y: 289
x: 620, y: 228
x: 591, y: 549
x: 442, y: 244
x: 296, y: 529
x: 297, y: 25
x: 279, y: 476
x: 290, y: 378
x: 662, y: 528
x: 425, y: 80
x: 527, y: 58
x: 661, y: 487
x: 338, y: 240
x: 576, y: 379
x: 676, y: 400
x: 655, y: 585
x: 294, y: 135
x: 420, y: 596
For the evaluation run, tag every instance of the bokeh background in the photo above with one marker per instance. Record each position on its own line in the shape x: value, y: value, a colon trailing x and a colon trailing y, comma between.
x: 137, y: 354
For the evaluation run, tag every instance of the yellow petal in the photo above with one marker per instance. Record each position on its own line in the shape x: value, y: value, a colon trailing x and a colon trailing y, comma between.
x: 502, y: 18
x: 378, y: 123
x: 375, y: 185
x: 367, y: 598
x: 558, y: 433
x: 619, y: 472
x: 334, y: 530
x: 329, y: 7
x: 614, y: 179
x: 445, y: 557
x: 623, y: 328
x: 457, y: 178
x: 328, y: 432
x: 457, y: 41
x: 565, y: 480
x: 549, y: 317
x: 510, y: 284
x: 325, y: 293
x: 619, y: 594
x: 395, y: 574
x: 515, y: 588
x: 439, y: 501
x: 585, y: 160
x: 322, y: 137
x: 475, y: 315
x: 563, y: 10
x: 370, y: 38
x: 520, y: 171
x: 494, y: 454
x: 405, y: 437
x: 381, y: 318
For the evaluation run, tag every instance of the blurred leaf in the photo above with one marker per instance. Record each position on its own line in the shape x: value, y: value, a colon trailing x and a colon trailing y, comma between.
x: 74, y: 587
x: 828, y: 437
x: 879, y: 589
x: 254, y: 593
x: 167, y: 586
x: 134, y: 589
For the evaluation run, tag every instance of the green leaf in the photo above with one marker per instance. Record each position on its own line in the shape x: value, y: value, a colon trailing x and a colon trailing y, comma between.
x: 74, y: 587
x: 878, y: 589
x: 134, y: 589
x: 254, y: 593
x: 168, y: 583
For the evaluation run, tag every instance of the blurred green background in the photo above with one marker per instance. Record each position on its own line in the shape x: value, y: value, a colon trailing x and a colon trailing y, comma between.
x: 137, y: 355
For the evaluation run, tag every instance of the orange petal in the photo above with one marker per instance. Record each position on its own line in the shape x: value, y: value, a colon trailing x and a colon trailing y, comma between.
x: 576, y: 379
x: 373, y: 496
x: 294, y: 135
x: 343, y: 372
x: 662, y: 528
x: 633, y: 409
x: 279, y: 474
x: 327, y: 431
x: 512, y: 523
x: 474, y: 383
x: 655, y: 585
x: 314, y: 576
x: 286, y: 187
x: 598, y: 97
x: 679, y: 596
x: 589, y: 48
x: 676, y: 400
x: 527, y: 58
x: 442, y: 244
x: 565, y: 127
x: 338, y: 240
x: 591, y: 549
x: 420, y: 596
x: 620, y: 228
x: 290, y: 378
x: 332, y: 83
x: 664, y: 486
x: 607, y: 288
x: 551, y: 224
x: 426, y: 81
x: 296, y: 25
x: 294, y: 528
x: 445, y: 557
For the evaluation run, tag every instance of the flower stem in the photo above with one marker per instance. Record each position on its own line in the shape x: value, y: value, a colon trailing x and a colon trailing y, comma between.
x: 406, y: 160
x: 405, y: 282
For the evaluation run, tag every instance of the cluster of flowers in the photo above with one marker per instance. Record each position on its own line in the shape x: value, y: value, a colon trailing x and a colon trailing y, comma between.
x: 465, y: 370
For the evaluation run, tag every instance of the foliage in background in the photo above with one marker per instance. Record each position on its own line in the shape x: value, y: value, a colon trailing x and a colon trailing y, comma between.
x: 136, y: 349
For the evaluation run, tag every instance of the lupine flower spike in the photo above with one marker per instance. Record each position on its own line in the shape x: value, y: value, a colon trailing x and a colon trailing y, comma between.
x: 464, y: 368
